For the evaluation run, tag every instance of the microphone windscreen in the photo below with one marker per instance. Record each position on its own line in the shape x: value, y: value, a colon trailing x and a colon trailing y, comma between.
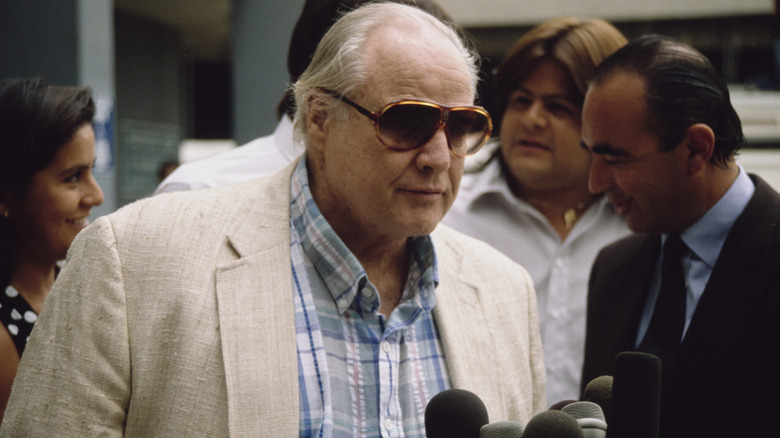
x: 455, y: 412
x: 558, y: 406
x: 557, y: 424
x: 584, y: 409
x: 636, y: 396
x: 590, y: 418
x: 501, y: 429
x: 599, y: 391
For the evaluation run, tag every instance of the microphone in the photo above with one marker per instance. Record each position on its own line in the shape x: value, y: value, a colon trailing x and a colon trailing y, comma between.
x: 553, y: 424
x: 636, y: 396
x: 599, y: 391
x: 558, y: 406
x: 455, y: 412
x: 590, y: 418
x: 501, y: 429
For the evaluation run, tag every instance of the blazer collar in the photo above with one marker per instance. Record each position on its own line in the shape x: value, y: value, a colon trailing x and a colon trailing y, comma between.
x: 263, y: 206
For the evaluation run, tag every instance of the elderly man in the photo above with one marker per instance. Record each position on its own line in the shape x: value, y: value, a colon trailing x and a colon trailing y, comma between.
x: 663, y: 134
x: 315, y: 302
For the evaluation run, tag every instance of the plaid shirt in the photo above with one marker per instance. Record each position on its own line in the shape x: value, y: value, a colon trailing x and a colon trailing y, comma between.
x: 360, y: 374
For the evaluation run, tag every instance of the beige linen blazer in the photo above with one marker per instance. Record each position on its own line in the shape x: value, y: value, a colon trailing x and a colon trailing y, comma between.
x: 174, y: 317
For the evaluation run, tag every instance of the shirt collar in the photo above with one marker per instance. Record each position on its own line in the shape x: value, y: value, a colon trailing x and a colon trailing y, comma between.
x: 486, y: 182
x: 339, y: 268
x: 705, y: 238
x: 490, y: 182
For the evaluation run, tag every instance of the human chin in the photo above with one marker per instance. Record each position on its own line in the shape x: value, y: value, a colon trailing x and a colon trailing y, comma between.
x: 639, y: 221
x: 421, y: 222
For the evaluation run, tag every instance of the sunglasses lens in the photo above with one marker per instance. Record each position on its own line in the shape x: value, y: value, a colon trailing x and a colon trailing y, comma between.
x: 407, y: 126
x: 467, y: 131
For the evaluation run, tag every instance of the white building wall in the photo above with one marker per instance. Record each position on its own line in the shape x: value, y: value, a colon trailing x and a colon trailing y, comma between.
x: 481, y: 13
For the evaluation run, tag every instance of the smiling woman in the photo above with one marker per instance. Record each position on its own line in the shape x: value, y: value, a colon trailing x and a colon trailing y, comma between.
x: 46, y: 194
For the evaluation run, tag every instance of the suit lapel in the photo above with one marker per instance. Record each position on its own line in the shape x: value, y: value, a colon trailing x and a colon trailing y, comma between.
x: 452, y: 297
x: 256, y: 313
x: 634, y: 283
x: 738, y: 284
x: 629, y: 294
x: 617, y: 294
x: 258, y: 342
x: 464, y: 328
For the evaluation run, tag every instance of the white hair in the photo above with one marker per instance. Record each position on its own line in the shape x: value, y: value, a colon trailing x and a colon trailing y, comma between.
x: 338, y: 63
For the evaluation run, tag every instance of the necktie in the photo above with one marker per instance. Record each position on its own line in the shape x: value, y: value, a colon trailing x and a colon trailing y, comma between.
x: 666, y: 325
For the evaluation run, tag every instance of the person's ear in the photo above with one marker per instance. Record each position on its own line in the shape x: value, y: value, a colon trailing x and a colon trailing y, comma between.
x: 699, y: 142
x: 316, y: 119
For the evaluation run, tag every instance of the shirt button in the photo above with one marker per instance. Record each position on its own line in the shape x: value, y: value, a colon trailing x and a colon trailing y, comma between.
x: 389, y: 425
x: 368, y: 293
x: 342, y: 303
x: 385, y: 346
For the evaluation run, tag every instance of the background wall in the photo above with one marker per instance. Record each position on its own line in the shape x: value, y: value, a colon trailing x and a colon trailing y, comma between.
x: 168, y: 72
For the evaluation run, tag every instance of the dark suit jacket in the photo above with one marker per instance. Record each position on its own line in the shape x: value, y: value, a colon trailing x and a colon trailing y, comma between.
x: 727, y: 375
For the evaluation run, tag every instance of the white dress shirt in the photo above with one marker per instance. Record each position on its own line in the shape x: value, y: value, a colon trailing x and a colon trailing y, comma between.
x: 486, y: 209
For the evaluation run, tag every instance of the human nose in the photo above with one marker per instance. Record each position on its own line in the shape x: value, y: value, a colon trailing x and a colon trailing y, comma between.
x: 535, y: 116
x: 94, y: 194
x: 599, y: 176
x: 435, y: 153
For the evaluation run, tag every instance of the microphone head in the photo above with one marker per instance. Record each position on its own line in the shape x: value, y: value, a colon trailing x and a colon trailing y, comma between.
x: 557, y: 424
x: 501, y: 429
x: 584, y: 409
x: 636, y: 396
x: 599, y: 391
x: 590, y: 418
x: 455, y: 412
x: 558, y: 406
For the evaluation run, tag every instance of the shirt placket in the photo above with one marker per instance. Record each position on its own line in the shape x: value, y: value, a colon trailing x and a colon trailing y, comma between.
x: 389, y: 362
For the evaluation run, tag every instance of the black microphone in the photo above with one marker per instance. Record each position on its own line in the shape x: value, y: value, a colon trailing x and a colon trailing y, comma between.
x: 636, y: 396
x: 455, y: 413
x: 590, y: 418
x: 558, y: 406
x: 553, y: 424
x: 599, y: 391
x: 501, y: 429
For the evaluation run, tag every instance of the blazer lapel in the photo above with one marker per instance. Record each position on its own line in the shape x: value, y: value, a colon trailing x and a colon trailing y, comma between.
x: 739, y: 282
x: 258, y: 342
x: 617, y: 294
x: 453, y: 297
x: 461, y: 313
x: 630, y: 292
x: 257, y: 315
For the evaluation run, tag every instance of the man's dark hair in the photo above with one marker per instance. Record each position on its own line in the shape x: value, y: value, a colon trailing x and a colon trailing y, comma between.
x: 682, y: 89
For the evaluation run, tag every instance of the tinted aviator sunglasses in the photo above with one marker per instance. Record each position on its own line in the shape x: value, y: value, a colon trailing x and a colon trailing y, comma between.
x: 409, y: 123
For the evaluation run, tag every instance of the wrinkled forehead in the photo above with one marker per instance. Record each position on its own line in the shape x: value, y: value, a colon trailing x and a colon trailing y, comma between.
x: 416, y: 62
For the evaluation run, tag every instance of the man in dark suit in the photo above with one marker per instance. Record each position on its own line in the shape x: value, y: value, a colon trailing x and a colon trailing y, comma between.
x: 663, y: 134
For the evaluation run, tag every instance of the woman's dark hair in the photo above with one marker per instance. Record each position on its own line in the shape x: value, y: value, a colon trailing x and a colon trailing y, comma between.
x: 682, y: 88
x: 36, y: 119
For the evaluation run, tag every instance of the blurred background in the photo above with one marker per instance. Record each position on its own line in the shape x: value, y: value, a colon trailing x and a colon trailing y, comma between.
x: 178, y: 80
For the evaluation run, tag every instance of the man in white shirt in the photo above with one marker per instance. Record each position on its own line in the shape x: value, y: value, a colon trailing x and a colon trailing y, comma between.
x: 531, y: 200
